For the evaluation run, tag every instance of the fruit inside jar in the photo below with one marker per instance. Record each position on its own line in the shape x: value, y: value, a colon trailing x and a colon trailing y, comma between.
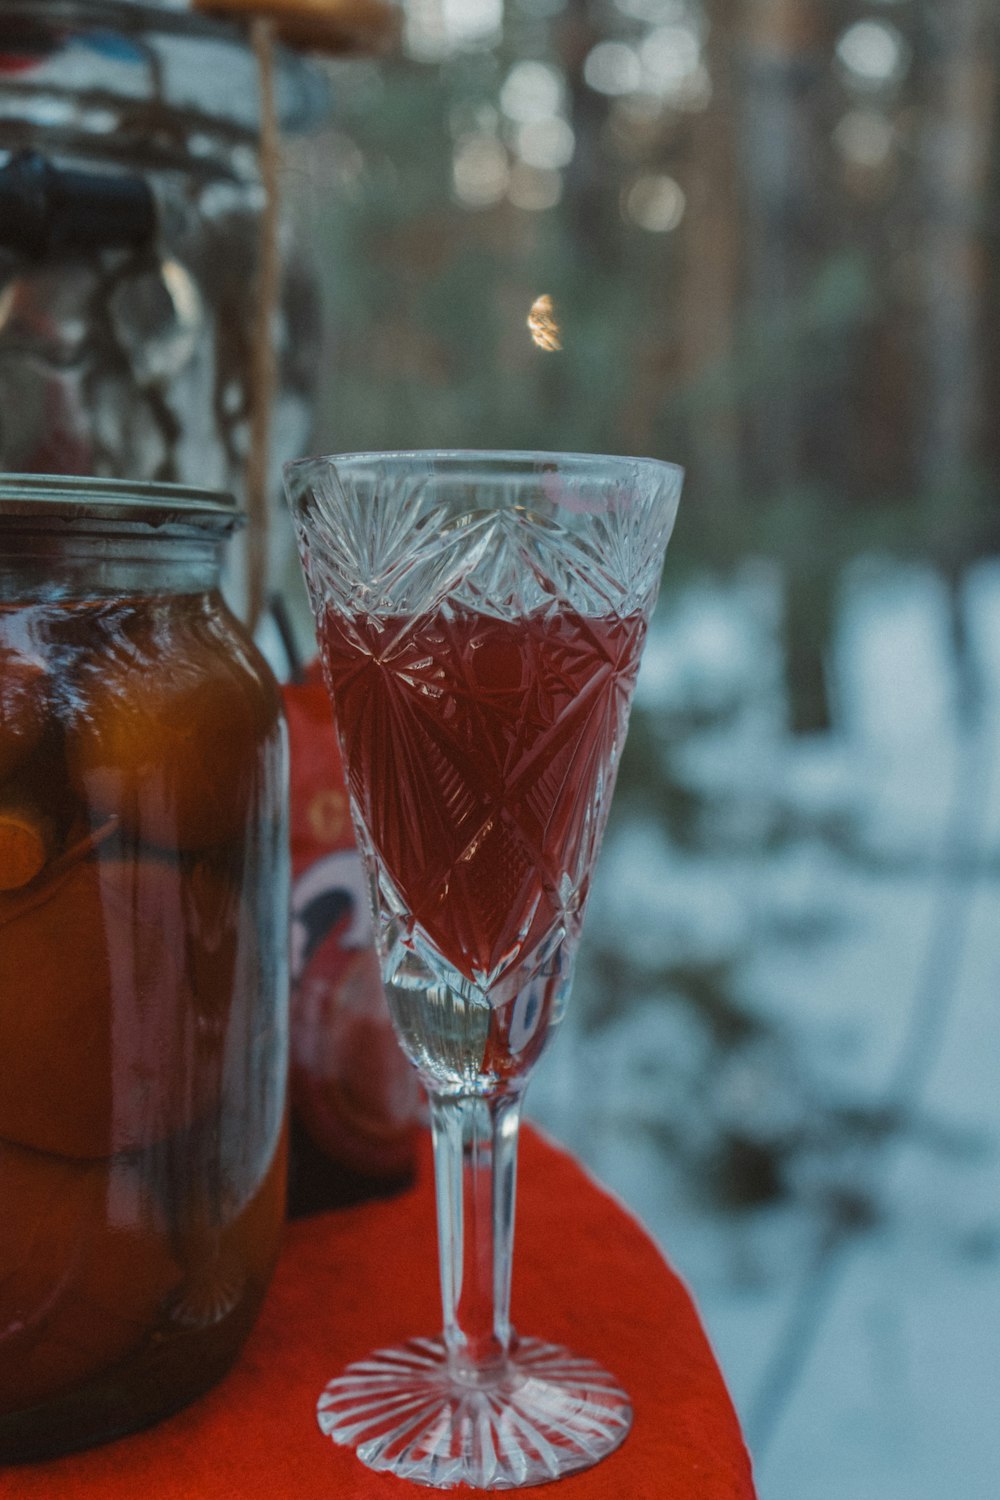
x: 142, y: 1156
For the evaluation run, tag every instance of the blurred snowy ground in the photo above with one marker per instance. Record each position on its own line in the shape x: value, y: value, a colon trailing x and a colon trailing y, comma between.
x: 784, y: 1044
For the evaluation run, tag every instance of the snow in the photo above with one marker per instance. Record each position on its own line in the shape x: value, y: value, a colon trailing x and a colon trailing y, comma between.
x: 856, y: 1314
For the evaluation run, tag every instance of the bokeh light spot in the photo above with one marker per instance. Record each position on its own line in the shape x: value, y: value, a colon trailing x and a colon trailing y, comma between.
x: 546, y: 143
x: 531, y: 91
x: 533, y: 188
x: 873, y: 53
x: 612, y: 68
x: 655, y: 12
x: 669, y: 54
x: 480, y: 171
x: 655, y: 202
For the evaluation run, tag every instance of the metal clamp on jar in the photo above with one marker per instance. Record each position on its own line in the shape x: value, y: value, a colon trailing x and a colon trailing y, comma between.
x: 130, y: 208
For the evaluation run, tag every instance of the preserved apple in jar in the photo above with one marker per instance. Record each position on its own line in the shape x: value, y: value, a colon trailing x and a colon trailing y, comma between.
x: 143, y: 916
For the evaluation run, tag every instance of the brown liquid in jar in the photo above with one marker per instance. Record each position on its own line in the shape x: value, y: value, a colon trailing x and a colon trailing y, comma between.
x: 142, y: 1160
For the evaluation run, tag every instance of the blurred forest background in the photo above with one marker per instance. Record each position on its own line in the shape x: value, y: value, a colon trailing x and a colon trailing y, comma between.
x: 771, y: 233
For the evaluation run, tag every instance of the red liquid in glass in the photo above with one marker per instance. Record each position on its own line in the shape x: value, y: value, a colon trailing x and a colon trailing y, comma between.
x: 482, y: 753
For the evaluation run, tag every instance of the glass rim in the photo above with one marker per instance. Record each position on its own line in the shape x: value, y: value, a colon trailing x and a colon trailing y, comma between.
x: 483, y: 460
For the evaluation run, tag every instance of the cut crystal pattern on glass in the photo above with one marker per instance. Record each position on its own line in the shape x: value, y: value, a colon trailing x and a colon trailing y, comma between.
x: 395, y: 542
x: 481, y: 619
x: 553, y: 1415
x: 481, y: 754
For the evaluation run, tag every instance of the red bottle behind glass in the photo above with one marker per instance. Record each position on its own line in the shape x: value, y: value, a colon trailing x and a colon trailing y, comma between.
x: 356, y: 1103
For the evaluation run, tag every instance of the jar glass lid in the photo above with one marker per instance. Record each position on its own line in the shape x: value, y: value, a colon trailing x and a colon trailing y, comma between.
x: 72, y: 497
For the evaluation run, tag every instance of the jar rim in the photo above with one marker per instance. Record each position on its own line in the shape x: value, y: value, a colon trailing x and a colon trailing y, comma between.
x: 79, y: 497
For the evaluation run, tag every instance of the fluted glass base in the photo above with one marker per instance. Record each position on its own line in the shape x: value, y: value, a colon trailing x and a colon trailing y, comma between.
x: 547, y: 1414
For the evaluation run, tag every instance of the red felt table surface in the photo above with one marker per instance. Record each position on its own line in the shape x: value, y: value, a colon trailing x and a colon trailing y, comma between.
x: 585, y: 1274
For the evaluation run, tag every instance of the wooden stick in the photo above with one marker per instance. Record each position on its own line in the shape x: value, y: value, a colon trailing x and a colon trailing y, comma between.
x: 264, y: 363
x: 15, y: 903
x: 332, y: 26
x: 27, y: 840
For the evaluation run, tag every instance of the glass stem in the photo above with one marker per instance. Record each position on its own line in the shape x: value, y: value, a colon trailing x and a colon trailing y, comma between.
x: 475, y: 1169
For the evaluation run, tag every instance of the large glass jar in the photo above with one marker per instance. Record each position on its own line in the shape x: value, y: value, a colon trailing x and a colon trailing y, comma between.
x: 143, y: 915
x: 130, y: 223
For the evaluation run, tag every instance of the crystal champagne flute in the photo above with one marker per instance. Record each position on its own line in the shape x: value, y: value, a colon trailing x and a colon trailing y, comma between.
x: 481, y: 617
